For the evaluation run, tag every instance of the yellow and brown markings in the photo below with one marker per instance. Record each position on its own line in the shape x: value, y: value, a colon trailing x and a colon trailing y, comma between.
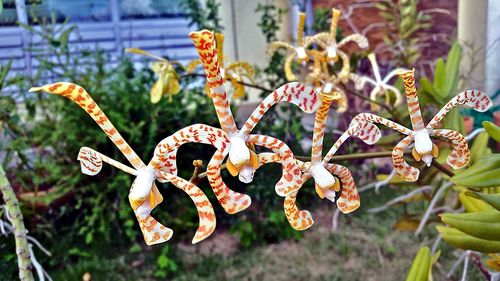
x: 403, y: 169
x: 460, y: 155
x: 417, y: 121
x: 78, y: 95
x: 297, y: 93
x: 349, y: 200
x: 319, y: 128
x: 230, y: 200
x: 290, y: 180
x: 298, y: 219
x: 205, y: 210
x: 472, y: 98
x: 204, y: 44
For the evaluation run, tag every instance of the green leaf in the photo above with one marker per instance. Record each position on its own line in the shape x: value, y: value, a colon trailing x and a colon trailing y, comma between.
x: 440, y: 78
x: 162, y: 261
x: 1, y: 6
x: 89, y: 238
x: 454, y: 121
x: 452, y: 69
x: 419, y: 270
x: 64, y: 38
x: 426, y: 88
x: 484, y: 173
x: 479, y: 147
x: 492, y: 130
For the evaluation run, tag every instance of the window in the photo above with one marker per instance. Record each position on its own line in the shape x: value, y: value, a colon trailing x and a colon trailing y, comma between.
x: 133, y: 9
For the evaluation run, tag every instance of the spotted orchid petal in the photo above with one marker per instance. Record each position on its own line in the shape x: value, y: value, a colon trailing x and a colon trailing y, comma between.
x: 474, y: 99
x: 144, y: 195
x: 402, y: 168
x: 298, y: 219
x: 328, y: 40
x: 417, y: 122
x: 460, y: 155
x: 349, y: 200
x: 372, y: 118
x: 290, y: 180
x: 362, y: 129
x: 204, y: 207
x: 232, y: 201
x: 153, y: 232
x: 165, y: 160
x: 204, y: 44
x: 79, y: 96
x: 296, y: 93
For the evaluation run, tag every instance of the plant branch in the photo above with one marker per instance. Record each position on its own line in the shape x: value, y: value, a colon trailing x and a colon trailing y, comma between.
x: 239, y: 82
x: 477, y: 262
x: 334, y: 159
x: 16, y: 218
x: 198, y: 165
x: 442, y: 168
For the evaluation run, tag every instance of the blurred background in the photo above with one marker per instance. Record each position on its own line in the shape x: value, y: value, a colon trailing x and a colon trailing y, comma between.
x: 86, y: 222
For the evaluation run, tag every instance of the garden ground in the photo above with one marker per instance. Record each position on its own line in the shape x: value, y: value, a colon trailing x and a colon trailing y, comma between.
x: 364, y: 248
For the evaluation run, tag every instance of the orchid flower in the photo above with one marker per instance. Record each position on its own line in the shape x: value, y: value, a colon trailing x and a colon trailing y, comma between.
x: 381, y: 86
x: 328, y: 41
x: 236, y: 143
x: 420, y: 135
x: 144, y: 195
x: 326, y: 83
x: 325, y: 174
x: 296, y: 53
x: 234, y: 72
x: 168, y: 79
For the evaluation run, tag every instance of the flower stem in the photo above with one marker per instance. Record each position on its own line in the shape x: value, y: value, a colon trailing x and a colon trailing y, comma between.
x: 334, y: 159
x: 16, y: 218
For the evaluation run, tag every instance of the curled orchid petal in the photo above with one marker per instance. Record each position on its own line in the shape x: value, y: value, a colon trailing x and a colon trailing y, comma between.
x: 474, y: 99
x: 144, y: 195
x: 420, y: 135
x: 460, y: 155
x: 403, y: 169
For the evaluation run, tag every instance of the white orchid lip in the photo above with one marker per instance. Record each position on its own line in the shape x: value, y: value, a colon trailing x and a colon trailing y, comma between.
x: 330, y: 195
x: 423, y: 143
x: 239, y: 154
x: 322, y: 177
x: 331, y: 51
x: 301, y: 53
x: 143, y: 183
x: 328, y: 88
x: 427, y: 158
x: 246, y: 174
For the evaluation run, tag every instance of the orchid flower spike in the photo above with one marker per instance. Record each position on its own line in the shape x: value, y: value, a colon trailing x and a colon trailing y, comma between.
x: 326, y: 83
x: 333, y: 182
x: 380, y: 86
x: 144, y: 196
x: 238, y: 148
x: 420, y: 135
x: 298, y: 53
x: 234, y: 72
x: 328, y: 41
x: 168, y: 80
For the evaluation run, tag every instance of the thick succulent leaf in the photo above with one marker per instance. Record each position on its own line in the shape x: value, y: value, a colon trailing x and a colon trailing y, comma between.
x: 479, y: 147
x: 440, y: 78
x: 452, y: 69
x: 484, y: 173
x: 492, y: 130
